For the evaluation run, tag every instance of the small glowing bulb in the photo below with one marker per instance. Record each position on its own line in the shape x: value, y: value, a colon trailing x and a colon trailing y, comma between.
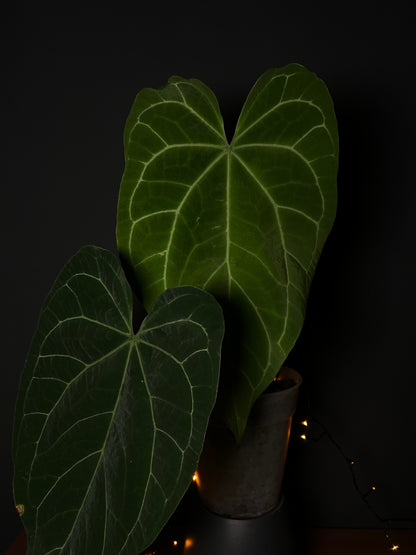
x: 175, y: 542
x: 189, y: 542
x: 303, y: 436
x: 305, y: 423
x: 394, y: 547
x: 374, y: 488
x: 194, y: 477
x: 351, y: 462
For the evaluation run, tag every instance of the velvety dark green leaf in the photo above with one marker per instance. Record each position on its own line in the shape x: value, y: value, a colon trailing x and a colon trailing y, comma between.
x: 110, y: 423
x: 245, y: 221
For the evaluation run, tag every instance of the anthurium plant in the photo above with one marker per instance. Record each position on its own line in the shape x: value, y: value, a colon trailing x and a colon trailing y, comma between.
x: 245, y: 220
x: 110, y: 420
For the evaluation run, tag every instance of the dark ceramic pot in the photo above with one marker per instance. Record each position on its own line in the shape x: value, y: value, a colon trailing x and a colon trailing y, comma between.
x: 245, y: 480
x: 240, y: 485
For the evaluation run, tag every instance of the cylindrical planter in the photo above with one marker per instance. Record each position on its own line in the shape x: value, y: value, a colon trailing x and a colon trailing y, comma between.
x: 269, y: 534
x: 240, y: 486
x: 245, y: 480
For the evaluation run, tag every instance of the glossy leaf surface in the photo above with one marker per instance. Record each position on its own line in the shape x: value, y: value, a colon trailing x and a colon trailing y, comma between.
x: 110, y: 423
x: 245, y: 221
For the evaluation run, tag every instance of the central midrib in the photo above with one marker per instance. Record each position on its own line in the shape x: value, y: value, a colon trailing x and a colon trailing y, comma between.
x: 228, y: 238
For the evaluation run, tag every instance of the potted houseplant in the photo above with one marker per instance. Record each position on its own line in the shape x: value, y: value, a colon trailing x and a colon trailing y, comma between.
x: 110, y: 420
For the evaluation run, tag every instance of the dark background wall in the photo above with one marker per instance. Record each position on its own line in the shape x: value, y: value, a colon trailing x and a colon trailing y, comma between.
x: 68, y: 84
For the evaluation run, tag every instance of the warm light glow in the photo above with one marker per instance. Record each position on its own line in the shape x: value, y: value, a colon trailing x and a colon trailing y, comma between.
x: 305, y: 423
x: 394, y: 547
x: 189, y: 542
x: 194, y: 477
x: 303, y: 436
x: 351, y: 462
x: 374, y: 488
x: 175, y: 543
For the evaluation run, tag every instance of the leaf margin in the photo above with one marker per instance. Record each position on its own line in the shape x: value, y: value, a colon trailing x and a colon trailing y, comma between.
x: 183, y: 481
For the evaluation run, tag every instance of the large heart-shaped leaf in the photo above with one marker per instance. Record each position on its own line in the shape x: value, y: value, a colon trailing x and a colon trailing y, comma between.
x: 246, y: 220
x: 109, y: 424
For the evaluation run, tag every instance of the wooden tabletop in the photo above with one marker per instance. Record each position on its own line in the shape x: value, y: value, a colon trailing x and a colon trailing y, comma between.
x: 325, y: 541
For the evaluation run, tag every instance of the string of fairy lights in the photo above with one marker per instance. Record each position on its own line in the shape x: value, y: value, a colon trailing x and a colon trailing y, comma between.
x: 309, y: 433
x: 309, y: 429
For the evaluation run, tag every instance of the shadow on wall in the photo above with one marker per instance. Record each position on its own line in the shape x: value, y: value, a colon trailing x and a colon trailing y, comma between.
x: 357, y: 318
